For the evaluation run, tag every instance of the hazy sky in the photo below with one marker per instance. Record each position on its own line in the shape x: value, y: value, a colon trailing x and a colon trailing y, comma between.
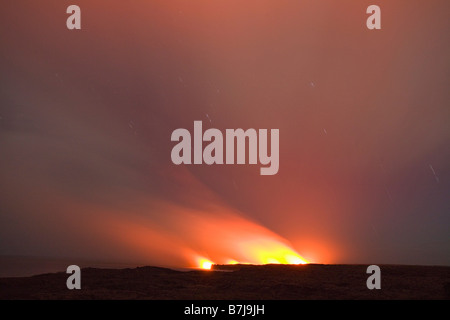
x: 86, y: 118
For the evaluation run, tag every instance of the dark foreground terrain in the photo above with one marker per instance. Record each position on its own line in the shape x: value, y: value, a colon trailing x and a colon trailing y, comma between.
x: 269, y: 282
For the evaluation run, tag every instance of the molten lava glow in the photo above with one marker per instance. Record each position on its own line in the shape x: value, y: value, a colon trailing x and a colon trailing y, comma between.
x: 260, y: 251
x: 212, y: 237
x: 278, y: 254
x: 206, y: 264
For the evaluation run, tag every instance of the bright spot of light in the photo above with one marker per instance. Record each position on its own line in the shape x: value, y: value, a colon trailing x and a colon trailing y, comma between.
x: 295, y: 260
x: 206, y: 264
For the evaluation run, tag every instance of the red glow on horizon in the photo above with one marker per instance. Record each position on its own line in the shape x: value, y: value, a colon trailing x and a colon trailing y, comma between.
x: 205, y: 264
x: 209, y: 238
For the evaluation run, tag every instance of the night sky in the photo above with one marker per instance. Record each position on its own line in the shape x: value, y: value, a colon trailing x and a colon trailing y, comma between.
x: 86, y: 118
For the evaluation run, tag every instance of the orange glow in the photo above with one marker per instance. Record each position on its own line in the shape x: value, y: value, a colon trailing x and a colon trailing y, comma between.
x: 206, y: 264
x: 217, y: 236
x: 277, y: 253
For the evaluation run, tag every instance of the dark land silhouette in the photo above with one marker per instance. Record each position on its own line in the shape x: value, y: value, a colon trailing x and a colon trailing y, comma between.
x: 240, y: 282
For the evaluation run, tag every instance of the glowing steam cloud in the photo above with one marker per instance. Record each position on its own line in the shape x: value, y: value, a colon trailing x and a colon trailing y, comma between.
x: 203, y: 238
